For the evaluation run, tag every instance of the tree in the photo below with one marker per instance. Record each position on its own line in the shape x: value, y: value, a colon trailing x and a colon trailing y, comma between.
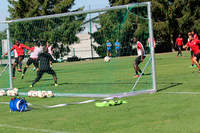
x: 30, y: 8
x: 121, y: 25
x: 58, y: 31
x: 171, y: 17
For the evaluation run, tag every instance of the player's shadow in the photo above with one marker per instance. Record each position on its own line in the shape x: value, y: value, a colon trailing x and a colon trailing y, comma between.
x: 42, y: 79
x: 169, y: 85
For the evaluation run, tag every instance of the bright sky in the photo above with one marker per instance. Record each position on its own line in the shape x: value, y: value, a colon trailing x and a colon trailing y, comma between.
x: 94, y: 4
x: 3, y: 9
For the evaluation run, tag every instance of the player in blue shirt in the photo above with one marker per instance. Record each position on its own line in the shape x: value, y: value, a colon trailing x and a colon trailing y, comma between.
x: 117, y: 48
x: 108, y: 44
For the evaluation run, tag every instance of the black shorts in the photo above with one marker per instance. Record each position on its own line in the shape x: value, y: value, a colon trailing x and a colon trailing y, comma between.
x: 33, y: 61
x: 180, y: 47
x: 21, y: 56
x: 138, y: 59
x: 197, y: 56
x: 16, y: 60
x: 191, y: 53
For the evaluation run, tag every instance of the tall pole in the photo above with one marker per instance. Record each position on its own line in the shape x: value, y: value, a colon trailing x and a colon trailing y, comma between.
x: 90, y: 34
x: 152, y: 46
x: 9, y: 56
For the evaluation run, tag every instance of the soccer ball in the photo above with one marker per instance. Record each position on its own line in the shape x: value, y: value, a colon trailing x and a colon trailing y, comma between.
x: 2, y: 92
x: 34, y: 94
x: 50, y: 94
x: 12, y: 93
x: 44, y: 93
x: 107, y: 59
x: 40, y: 94
x: 30, y: 93
x: 15, y: 89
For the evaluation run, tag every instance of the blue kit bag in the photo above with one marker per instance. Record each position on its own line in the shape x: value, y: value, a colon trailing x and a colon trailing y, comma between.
x: 18, y: 104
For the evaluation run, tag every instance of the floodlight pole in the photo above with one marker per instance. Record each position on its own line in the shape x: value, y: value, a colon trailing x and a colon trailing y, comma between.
x: 9, y: 56
x: 152, y: 45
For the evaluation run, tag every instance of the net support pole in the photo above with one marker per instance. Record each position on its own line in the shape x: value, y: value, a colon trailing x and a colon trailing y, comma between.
x: 9, y: 57
x: 152, y: 45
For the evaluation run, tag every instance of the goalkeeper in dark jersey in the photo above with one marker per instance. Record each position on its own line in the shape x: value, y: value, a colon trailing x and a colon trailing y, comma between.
x: 45, y: 58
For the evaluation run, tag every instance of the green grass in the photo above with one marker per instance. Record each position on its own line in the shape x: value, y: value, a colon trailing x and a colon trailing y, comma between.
x: 94, y: 77
x: 147, y: 113
x: 4, y: 77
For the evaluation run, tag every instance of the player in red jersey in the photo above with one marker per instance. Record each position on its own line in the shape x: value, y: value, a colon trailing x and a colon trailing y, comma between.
x: 179, y: 42
x: 195, y: 35
x: 140, y: 58
x: 148, y: 45
x: 19, y: 47
x: 193, y: 44
x: 191, y: 52
x: 154, y: 41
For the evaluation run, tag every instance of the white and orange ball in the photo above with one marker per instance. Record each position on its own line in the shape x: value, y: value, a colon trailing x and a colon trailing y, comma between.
x: 12, y: 93
x: 34, y: 93
x: 30, y: 93
x: 106, y: 59
x: 2, y: 92
x: 40, y: 94
x: 50, y: 94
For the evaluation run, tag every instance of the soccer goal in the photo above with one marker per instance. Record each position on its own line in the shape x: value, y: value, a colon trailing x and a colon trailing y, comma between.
x: 79, y: 42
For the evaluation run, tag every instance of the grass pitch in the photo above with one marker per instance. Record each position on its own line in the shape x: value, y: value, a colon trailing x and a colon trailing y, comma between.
x: 91, y: 77
x: 148, y: 113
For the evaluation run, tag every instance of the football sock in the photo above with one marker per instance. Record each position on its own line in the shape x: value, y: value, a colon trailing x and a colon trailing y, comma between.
x: 136, y: 72
x: 140, y: 71
x: 13, y: 72
x: 25, y: 68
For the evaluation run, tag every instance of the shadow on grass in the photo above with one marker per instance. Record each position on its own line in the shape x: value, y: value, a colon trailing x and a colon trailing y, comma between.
x: 95, y: 83
x: 169, y: 85
x: 99, y: 83
x: 42, y: 79
x: 145, y: 74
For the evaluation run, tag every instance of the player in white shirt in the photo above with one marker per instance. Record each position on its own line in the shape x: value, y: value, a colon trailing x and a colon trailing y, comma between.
x: 50, y: 51
x: 33, y: 59
x: 140, y: 58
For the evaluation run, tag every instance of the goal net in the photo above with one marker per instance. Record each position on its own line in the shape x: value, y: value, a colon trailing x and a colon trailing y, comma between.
x: 78, y: 42
x: 4, y: 71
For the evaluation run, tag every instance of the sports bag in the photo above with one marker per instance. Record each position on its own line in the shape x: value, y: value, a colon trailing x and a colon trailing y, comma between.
x: 18, y: 104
